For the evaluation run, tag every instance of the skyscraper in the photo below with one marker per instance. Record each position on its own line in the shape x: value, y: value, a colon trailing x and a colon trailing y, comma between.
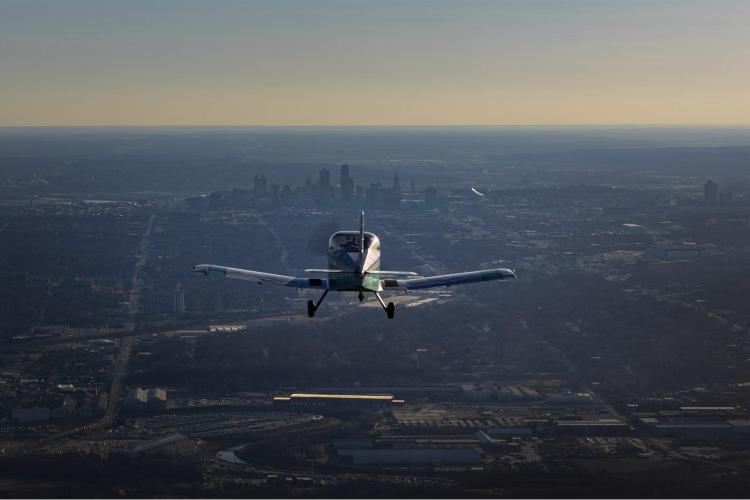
x: 324, y: 179
x: 179, y: 300
x: 260, y: 186
x: 396, y: 192
x: 324, y: 185
x: 346, y: 183
x: 710, y: 192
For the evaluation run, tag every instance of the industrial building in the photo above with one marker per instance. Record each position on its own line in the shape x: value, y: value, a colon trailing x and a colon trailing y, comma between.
x: 338, y: 400
x: 139, y: 399
x: 601, y: 427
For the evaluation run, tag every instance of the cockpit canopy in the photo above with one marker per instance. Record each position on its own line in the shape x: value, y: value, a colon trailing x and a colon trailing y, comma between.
x: 349, y: 241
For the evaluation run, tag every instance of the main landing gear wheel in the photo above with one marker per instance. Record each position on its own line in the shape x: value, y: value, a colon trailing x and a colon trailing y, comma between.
x: 390, y: 310
x: 312, y: 306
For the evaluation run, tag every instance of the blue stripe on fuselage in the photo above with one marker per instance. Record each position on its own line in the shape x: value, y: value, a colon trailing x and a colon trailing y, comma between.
x: 342, y: 260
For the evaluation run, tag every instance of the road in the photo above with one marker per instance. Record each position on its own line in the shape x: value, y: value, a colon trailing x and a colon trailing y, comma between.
x: 120, y: 367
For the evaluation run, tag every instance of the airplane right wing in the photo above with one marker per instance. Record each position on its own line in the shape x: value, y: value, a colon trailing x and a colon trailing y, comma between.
x: 447, y: 279
x: 260, y: 277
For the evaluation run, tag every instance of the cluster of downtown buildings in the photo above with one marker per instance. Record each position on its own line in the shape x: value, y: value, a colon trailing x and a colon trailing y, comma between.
x: 321, y: 192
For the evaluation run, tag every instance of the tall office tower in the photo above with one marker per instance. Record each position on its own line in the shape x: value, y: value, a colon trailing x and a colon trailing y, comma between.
x: 324, y: 179
x: 286, y: 194
x: 396, y: 192
x: 710, y: 192
x: 324, y: 184
x: 179, y: 299
x: 346, y: 183
x: 344, y: 174
x: 260, y: 186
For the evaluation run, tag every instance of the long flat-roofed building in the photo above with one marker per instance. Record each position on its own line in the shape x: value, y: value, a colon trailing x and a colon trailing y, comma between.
x: 349, y: 400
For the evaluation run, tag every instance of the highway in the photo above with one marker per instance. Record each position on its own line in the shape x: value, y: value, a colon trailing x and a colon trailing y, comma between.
x: 120, y: 366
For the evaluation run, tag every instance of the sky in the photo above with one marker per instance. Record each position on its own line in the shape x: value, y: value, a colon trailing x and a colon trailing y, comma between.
x: 406, y: 62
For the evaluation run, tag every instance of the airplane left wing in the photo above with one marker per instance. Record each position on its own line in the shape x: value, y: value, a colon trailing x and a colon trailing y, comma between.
x: 259, y: 277
x: 447, y: 279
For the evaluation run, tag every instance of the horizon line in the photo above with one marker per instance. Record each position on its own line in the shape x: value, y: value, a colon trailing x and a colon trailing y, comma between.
x: 445, y: 125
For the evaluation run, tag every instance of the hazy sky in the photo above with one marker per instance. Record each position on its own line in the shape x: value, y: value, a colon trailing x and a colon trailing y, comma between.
x: 184, y: 62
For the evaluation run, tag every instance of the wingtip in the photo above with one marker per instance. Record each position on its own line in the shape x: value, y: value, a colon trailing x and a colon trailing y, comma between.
x: 201, y: 269
x: 507, y: 274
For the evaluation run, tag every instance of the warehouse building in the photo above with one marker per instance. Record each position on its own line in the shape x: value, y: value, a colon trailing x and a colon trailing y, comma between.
x: 338, y: 400
x: 140, y: 399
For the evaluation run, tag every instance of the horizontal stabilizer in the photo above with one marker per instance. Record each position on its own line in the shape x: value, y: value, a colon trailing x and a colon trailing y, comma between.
x: 382, y: 273
x: 395, y: 273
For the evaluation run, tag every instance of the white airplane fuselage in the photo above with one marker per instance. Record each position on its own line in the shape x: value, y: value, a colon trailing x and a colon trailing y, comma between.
x: 354, y: 266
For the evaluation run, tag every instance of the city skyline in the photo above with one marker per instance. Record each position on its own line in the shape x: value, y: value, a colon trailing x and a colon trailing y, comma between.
x: 392, y: 63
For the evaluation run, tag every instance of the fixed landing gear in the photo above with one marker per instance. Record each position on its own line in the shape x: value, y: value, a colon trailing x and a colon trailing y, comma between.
x: 312, y: 306
x: 390, y: 309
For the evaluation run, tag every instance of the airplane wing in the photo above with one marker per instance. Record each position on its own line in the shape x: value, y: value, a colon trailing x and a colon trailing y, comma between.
x: 259, y: 277
x: 447, y: 279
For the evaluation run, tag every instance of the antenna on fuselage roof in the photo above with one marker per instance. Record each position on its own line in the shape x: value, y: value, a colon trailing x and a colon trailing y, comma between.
x: 361, y: 240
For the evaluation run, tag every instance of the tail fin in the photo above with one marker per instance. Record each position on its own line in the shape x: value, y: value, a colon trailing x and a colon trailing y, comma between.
x: 361, y: 240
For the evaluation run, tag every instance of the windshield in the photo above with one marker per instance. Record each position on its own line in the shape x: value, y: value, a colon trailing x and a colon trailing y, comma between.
x: 349, y: 242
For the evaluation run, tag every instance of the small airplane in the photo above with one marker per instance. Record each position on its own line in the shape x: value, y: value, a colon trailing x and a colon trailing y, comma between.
x: 354, y: 266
